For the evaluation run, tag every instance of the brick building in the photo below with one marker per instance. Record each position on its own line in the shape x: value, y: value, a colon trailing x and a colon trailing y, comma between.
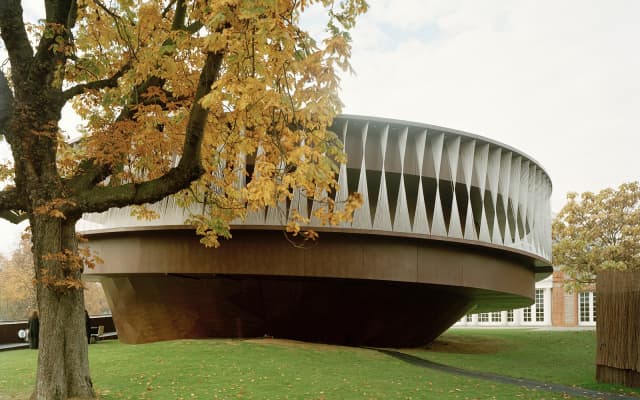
x: 553, y: 306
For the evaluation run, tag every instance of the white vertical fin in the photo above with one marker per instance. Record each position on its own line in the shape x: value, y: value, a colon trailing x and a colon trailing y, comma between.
x: 453, y: 152
x: 514, y: 195
x: 401, y: 222
x: 524, y: 199
x: 420, y: 221
x: 362, y: 216
x: 503, y: 187
x: 493, y: 175
x: 467, y: 157
x: 530, y: 207
x: 455, y: 228
x: 382, y: 218
x: 298, y: 204
x: 343, y: 185
x: 480, y: 164
x: 438, y: 226
x: 315, y: 221
x: 437, y: 147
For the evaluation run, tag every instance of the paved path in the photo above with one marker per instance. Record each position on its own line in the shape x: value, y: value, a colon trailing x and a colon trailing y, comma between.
x: 531, y: 384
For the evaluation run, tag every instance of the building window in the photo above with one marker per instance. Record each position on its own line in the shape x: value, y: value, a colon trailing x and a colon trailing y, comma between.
x: 535, y: 313
x: 527, y: 314
x: 496, y: 317
x: 510, y: 316
x: 540, y: 305
x: 469, y: 318
x: 483, y: 317
x: 587, y: 307
x: 583, y: 301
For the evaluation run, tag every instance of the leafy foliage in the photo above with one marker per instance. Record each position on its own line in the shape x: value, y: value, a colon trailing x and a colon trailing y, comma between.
x: 268, y: 110
x: 225, y: 103
x: 131, y: 70
x: 598, y: 231
x: 232, y: 92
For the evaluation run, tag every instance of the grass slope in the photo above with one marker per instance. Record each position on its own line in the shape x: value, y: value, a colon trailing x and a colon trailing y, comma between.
x: 274, y: 369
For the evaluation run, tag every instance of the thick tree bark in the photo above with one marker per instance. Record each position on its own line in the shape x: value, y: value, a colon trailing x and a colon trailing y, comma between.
x: 63, y: 365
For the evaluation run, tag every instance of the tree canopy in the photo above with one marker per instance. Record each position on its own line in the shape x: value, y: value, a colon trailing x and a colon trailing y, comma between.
x: 171, y: 89
x: 598, y: 231
x: 225, y: 103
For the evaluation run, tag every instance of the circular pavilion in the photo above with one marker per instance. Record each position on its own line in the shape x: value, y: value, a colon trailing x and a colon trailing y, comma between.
x: 451, y: 222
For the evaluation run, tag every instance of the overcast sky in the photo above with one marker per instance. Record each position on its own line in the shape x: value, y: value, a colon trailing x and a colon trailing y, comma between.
x: 558, y: 80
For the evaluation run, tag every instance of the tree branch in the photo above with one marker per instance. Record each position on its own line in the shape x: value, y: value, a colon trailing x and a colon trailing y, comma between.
x: 101, y: 198
x: 51, y: 52
x: 106, y: 9
x: 15, y: 38
x: 119, y: 24
x: 94, y: 173
x: 168, y: 8
x: 15, y: 217
x: 180, y: 15
x: 194, y: 27
x: 11, y: 206
x: 90, y: 174
x: 198, y: 117
x: 96, y: 85
x: 63, y: 12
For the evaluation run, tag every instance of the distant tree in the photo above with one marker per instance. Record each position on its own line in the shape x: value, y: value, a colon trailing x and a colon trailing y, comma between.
x: 598, y: 231
x: 597, y: 240
x: 17, y: 289
x: 175, y: 95
x: 95, y: 300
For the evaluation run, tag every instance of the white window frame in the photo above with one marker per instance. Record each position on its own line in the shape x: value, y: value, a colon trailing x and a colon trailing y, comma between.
x: 591, y: 308
x: 545, y: 304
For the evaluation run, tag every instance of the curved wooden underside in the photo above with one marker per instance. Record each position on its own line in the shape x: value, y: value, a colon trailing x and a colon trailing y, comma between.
x: 339, y: 311
x: 344, y: 289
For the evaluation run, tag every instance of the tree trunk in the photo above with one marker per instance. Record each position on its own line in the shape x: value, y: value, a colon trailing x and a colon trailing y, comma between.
x: 63, y: 363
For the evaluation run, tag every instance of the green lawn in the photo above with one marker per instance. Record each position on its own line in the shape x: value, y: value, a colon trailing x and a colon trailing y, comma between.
x: 268, y: 369
x: 565, y: 357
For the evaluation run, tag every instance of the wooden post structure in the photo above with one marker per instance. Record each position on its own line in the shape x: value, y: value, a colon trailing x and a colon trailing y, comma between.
x: 618, y: 328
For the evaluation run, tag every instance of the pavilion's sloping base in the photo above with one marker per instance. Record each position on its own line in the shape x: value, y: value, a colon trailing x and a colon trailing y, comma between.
x: 327, y: 310
x: 349, y: 289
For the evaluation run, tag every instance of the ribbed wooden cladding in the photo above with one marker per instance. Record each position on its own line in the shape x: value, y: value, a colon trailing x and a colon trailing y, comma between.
x: 618, y: 328
x: 420, y: 180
